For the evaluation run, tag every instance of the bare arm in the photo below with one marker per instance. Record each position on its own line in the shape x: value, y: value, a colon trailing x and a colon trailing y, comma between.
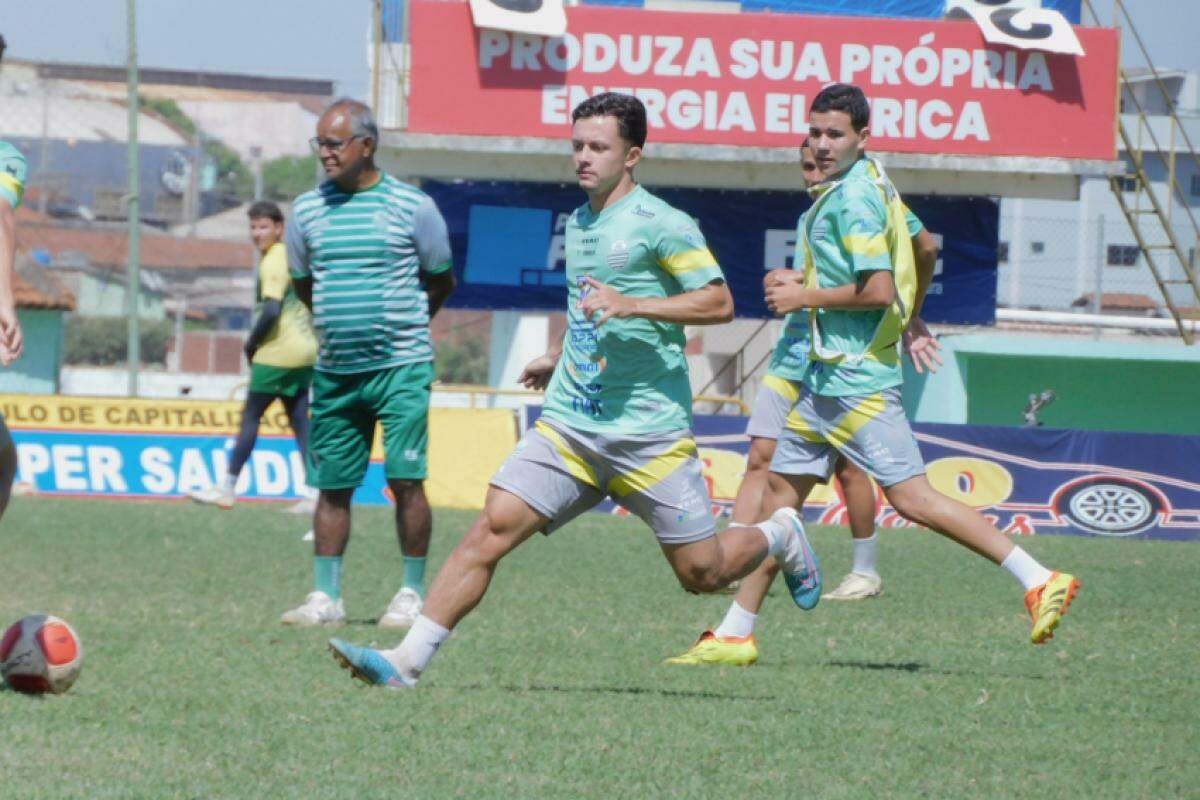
x: 708, y: 305
x: 925, y: 251
x: 877, y: 290
x: 12, y: 340
x: 438, y: 289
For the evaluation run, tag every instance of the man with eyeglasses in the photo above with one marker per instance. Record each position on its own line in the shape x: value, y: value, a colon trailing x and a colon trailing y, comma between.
x: 370, y: 256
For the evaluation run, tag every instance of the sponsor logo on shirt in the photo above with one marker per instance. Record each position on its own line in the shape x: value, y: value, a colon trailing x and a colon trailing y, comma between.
x: 820, y: 229
x: 587, y: 245
x: 641, y: 211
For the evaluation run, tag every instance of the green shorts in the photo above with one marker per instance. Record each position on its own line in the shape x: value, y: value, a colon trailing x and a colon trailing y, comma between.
x: 345, y: 409
x: 280, y: 381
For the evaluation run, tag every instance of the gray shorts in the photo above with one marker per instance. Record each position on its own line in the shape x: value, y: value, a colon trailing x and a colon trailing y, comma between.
x: 870, y: 430
x: 775, y: 399
x: 561, y: 473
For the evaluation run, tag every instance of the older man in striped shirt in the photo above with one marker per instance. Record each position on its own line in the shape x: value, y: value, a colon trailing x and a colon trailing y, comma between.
x: 370, y: 255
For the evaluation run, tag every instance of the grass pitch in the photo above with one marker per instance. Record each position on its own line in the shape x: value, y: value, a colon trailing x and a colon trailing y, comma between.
x: 554, y: 687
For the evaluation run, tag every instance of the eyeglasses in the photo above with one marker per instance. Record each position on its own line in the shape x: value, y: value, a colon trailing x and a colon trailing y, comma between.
x: 332, y: 145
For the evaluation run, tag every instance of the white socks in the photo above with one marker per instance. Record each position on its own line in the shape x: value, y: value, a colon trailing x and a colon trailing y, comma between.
x: 738, y: 622
x: 866, y: 551
x: 230, y: 484
x: 413, y: 654
x: 1025, y: 568
x: 776, y: 533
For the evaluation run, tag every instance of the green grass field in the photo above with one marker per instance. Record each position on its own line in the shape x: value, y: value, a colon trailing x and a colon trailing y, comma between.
x: 554, y: 687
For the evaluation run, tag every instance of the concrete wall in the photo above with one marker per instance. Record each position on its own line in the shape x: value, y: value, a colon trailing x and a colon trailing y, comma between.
x: 36, y: 371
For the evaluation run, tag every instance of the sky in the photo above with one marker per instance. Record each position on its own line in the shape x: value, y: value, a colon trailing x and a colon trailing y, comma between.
x: 327, y: 39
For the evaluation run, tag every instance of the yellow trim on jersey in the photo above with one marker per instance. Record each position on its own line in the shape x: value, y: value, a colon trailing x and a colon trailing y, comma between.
x: 788, y: 390
x: 681, y: 263
x: 799, y: 426
x: 273, y: 275
x: 579, y: 469
x: 655, y: 470
x: 862, y: 245
x: 13, y: 185
x: 854, y: 419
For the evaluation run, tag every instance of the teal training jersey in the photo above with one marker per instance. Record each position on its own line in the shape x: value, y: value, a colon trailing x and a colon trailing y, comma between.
x: 12, y: 174
x: 365, y: 253
x: 790, y: 358
x: 628, y: 376
x: 844, y: 231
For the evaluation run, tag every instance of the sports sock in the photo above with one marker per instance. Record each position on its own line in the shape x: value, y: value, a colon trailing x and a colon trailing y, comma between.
x: 413, y: 655
x: 328, y: 573
x: 1025, y: 568
x: 414, y: 574
x: 230, y: 484
x: 865, y: 553
x: 776, y: 533
x: 738, y: 622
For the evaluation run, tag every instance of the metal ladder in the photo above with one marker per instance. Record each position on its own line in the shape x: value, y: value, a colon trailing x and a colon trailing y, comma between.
x: 1148, y: 214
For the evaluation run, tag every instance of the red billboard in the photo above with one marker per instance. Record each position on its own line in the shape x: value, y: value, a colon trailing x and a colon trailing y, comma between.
x: 746, y: 79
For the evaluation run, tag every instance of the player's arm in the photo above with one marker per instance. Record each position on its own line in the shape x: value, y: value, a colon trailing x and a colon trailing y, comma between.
x: 273, y: 277
x: 919, y: 342
x: 433, y: 249
x: 537, y: 373
x: 298, y: 265
x: 862, y: 224
x: 12, y: 340
x: 709, y: 305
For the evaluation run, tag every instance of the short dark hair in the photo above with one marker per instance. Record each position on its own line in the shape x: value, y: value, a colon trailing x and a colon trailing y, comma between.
x: 3, y: 46
x: 265, y: 209
x: 627, y: 109
x: 844, y: 97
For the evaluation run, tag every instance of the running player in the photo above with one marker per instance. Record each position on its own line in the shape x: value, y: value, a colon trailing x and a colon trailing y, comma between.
x: 12, y: 339
x: 281, y: 349
x: 860, y: 285
x: 371, y: 257
x: 617, y: 416
x: 732, y: 642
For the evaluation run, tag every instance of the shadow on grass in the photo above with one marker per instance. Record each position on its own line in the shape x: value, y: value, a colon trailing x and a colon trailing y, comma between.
x: 914, y: 667
x: 619, y: 690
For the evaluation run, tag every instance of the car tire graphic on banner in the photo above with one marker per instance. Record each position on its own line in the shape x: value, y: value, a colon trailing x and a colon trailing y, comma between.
x: 1109, y: 506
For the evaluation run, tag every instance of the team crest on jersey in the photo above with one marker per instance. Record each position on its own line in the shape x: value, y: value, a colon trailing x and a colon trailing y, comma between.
x: 618, y: 255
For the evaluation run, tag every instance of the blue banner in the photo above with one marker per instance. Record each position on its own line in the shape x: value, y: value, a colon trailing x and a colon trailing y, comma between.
x: 507, y: 239
x: 1026, y: 481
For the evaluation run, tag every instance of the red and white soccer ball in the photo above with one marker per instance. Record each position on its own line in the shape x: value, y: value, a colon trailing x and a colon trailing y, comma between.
x: 39, y: 654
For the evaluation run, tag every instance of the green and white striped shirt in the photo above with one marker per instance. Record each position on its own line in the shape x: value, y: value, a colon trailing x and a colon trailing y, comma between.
x: 364, y: 252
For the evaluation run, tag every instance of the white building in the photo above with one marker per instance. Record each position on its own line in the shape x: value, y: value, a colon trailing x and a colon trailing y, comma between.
x: 1054, y: 253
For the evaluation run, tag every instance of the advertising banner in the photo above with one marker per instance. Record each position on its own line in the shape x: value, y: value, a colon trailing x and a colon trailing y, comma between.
x: 117, y: 447
x: 507, y: 239
x: 1026, y: 481
x: 747, y: 79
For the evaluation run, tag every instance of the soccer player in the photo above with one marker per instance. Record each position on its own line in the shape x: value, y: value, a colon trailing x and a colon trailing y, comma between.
x: 733, y: 642
x: 281, y: 349
x: 370, y: 256
x: 858, y: 288
x: 617, y: 415
x: 12, y: 339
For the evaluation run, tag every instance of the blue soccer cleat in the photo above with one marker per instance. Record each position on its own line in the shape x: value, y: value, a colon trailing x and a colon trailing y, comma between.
x: 367, y: 665
x: 801, y: 569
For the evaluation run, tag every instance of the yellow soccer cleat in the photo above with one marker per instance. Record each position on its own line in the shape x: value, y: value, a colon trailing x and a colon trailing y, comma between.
x: 1048, y: 603
x: 734, y: 651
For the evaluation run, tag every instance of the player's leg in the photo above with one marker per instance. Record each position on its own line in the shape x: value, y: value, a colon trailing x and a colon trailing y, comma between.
x: 339, y: 451
x: 401, y: 396
x: 775, y: 400
x: 801, y: 459
x: 224, y: 494
x: 858, y: 492
x: 297, y: 405
x: 8, y: 465
x: 544, y: 484
x: 873, y: 432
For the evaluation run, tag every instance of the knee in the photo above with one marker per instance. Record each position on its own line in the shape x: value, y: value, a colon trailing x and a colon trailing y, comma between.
x: 700, y: 579
x: 405, y: 487
x: 334, y: 499
x: 913, y: 506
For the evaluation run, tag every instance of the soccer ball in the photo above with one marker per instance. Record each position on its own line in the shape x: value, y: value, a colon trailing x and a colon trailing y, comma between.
x: 39, y: 654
